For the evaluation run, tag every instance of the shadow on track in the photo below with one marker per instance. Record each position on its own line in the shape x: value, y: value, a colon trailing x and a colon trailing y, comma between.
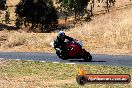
x: 85, y: 61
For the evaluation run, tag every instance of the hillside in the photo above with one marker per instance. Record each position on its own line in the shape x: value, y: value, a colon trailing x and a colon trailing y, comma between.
x: 109, y: 33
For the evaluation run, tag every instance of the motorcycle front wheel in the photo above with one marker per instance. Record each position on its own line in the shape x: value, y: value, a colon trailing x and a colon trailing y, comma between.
x: 88, y: 57
x: 60, y: 55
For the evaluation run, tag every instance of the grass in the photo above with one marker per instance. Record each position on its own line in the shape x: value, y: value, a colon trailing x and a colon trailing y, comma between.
x: 45, y: 70
x: 60, y: 75
x: 27, y: 42
x: 98, y: 86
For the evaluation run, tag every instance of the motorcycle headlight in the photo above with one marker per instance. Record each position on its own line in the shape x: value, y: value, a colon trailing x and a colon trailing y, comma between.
x: 72, y: 48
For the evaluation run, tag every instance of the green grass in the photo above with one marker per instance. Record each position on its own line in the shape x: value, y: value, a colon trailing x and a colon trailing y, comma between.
x: 59, y: 71
x: 15, y: 68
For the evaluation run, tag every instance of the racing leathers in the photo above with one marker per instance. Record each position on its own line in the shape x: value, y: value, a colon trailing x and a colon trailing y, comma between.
x: 59, y: 43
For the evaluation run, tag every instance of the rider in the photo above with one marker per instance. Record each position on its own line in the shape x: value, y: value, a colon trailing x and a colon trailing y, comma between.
x: 59, y: 42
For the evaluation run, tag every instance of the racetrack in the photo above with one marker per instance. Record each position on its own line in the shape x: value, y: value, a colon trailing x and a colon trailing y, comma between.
x: 98, y: 59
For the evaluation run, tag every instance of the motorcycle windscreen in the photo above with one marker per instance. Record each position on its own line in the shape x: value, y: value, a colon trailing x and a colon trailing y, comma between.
x: 80, y: 42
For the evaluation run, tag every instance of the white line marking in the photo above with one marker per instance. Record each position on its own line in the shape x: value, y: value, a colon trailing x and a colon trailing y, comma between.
x: 70, y: 63
x: 17, y: 59
x: 55, y: 62
x: 29, y: 60
x: 42, y: 61
x: 47, y: 61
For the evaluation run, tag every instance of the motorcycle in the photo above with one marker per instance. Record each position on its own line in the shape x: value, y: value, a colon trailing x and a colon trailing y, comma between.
x: 73, y: 50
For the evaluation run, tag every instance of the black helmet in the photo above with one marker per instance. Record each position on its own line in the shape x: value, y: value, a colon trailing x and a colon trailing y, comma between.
x: 61, y: 34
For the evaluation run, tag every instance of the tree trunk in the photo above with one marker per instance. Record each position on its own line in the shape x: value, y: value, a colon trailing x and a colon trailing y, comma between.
x: 75, y: 13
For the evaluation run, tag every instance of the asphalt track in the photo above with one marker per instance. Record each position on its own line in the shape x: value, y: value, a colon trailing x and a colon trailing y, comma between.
x: 98, y: 59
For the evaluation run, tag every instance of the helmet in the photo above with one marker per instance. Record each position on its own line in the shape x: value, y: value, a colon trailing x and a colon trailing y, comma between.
x: 61, y: 34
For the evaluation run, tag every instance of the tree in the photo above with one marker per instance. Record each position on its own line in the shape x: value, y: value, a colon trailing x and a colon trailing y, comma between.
x: 7, y: 17
x: 39, y: 13
x: 3, y: 5
x: 77, y: 6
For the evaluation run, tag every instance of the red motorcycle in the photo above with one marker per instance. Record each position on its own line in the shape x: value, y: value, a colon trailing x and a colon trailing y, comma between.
x: 74, y: 50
